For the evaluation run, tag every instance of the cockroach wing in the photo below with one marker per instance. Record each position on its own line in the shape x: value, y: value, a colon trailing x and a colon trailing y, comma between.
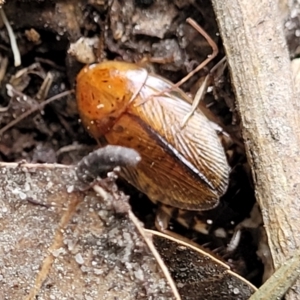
x: 163, y: 173
x: 199, y: 171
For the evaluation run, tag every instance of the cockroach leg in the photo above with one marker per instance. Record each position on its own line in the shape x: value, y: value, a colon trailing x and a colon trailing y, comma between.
x: 165, y: 213
x: 198, y: 97
x: 253, y: 222
x: 163, y: 218
x: 201, y: 91
x: 235, y: 240
x: 219, y: 67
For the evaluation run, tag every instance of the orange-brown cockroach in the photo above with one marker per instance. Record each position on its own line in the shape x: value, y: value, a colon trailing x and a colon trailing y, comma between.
x: 184, y: 167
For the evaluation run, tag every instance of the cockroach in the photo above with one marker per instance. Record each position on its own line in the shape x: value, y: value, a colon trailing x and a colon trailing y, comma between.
x: 181, y: 166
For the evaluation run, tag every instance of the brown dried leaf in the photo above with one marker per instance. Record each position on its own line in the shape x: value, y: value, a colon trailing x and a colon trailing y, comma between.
x: 72, y: 244
x: 199, y: 275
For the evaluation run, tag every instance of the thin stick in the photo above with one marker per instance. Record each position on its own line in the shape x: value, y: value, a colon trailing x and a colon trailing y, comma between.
x: 206, y: 61
x: 200, y: 92
x: 12, y: 38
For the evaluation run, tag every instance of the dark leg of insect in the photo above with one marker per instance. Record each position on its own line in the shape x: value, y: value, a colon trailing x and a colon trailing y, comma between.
x: 163, y: 216
x: 187, y: 219
x: 165, y: 213
x: 198, y: 222
x: 253, y: 222
x: 202, y: 91
x: 234, y: 241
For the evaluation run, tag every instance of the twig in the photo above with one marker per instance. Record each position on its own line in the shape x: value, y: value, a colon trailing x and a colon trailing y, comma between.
x: 12, y: 37
x: 261, y: 75
x: 278, y: 284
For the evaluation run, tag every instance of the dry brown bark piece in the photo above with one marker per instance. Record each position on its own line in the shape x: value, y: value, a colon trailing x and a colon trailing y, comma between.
x: 257, y: 55
x: 197, y: 273
x: 72, y: 244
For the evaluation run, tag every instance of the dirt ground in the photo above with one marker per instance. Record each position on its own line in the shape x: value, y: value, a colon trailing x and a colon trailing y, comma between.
x: 57, y: 38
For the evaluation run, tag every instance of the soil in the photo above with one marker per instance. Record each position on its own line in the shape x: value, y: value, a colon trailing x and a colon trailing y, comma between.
x: 57, y: 38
